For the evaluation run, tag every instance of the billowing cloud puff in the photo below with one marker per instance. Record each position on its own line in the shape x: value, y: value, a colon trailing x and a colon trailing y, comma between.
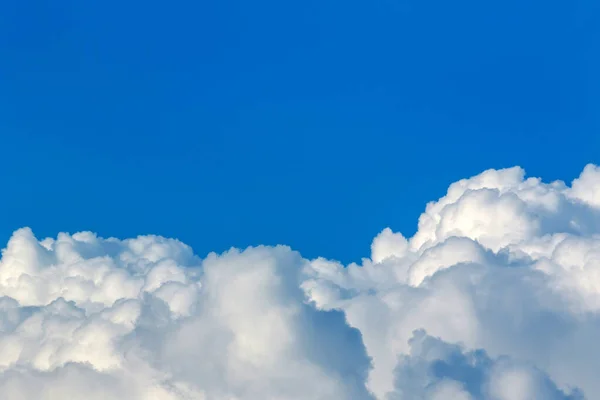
x: 145, y: 319
x: 496, y: 297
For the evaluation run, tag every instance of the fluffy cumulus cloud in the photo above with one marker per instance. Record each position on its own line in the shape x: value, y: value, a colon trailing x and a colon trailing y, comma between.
x: 85, y: 317
x: 496, y: 297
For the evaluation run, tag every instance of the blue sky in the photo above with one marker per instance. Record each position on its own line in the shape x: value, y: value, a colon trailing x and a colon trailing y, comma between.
x: 315, y: 123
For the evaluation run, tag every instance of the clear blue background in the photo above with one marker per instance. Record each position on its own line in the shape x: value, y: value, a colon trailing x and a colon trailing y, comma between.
x: 313, y: 123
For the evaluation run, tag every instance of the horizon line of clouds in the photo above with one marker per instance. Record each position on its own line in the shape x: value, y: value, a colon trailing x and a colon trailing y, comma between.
x: 495, y: 297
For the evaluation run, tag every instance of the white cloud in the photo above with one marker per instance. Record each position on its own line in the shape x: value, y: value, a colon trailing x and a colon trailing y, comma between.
x: 501, y: 263
x: 145, y: 319
x: 496, y: 297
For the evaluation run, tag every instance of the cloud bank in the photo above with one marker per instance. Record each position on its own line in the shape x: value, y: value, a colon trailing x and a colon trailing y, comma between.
x: 496, y: 297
